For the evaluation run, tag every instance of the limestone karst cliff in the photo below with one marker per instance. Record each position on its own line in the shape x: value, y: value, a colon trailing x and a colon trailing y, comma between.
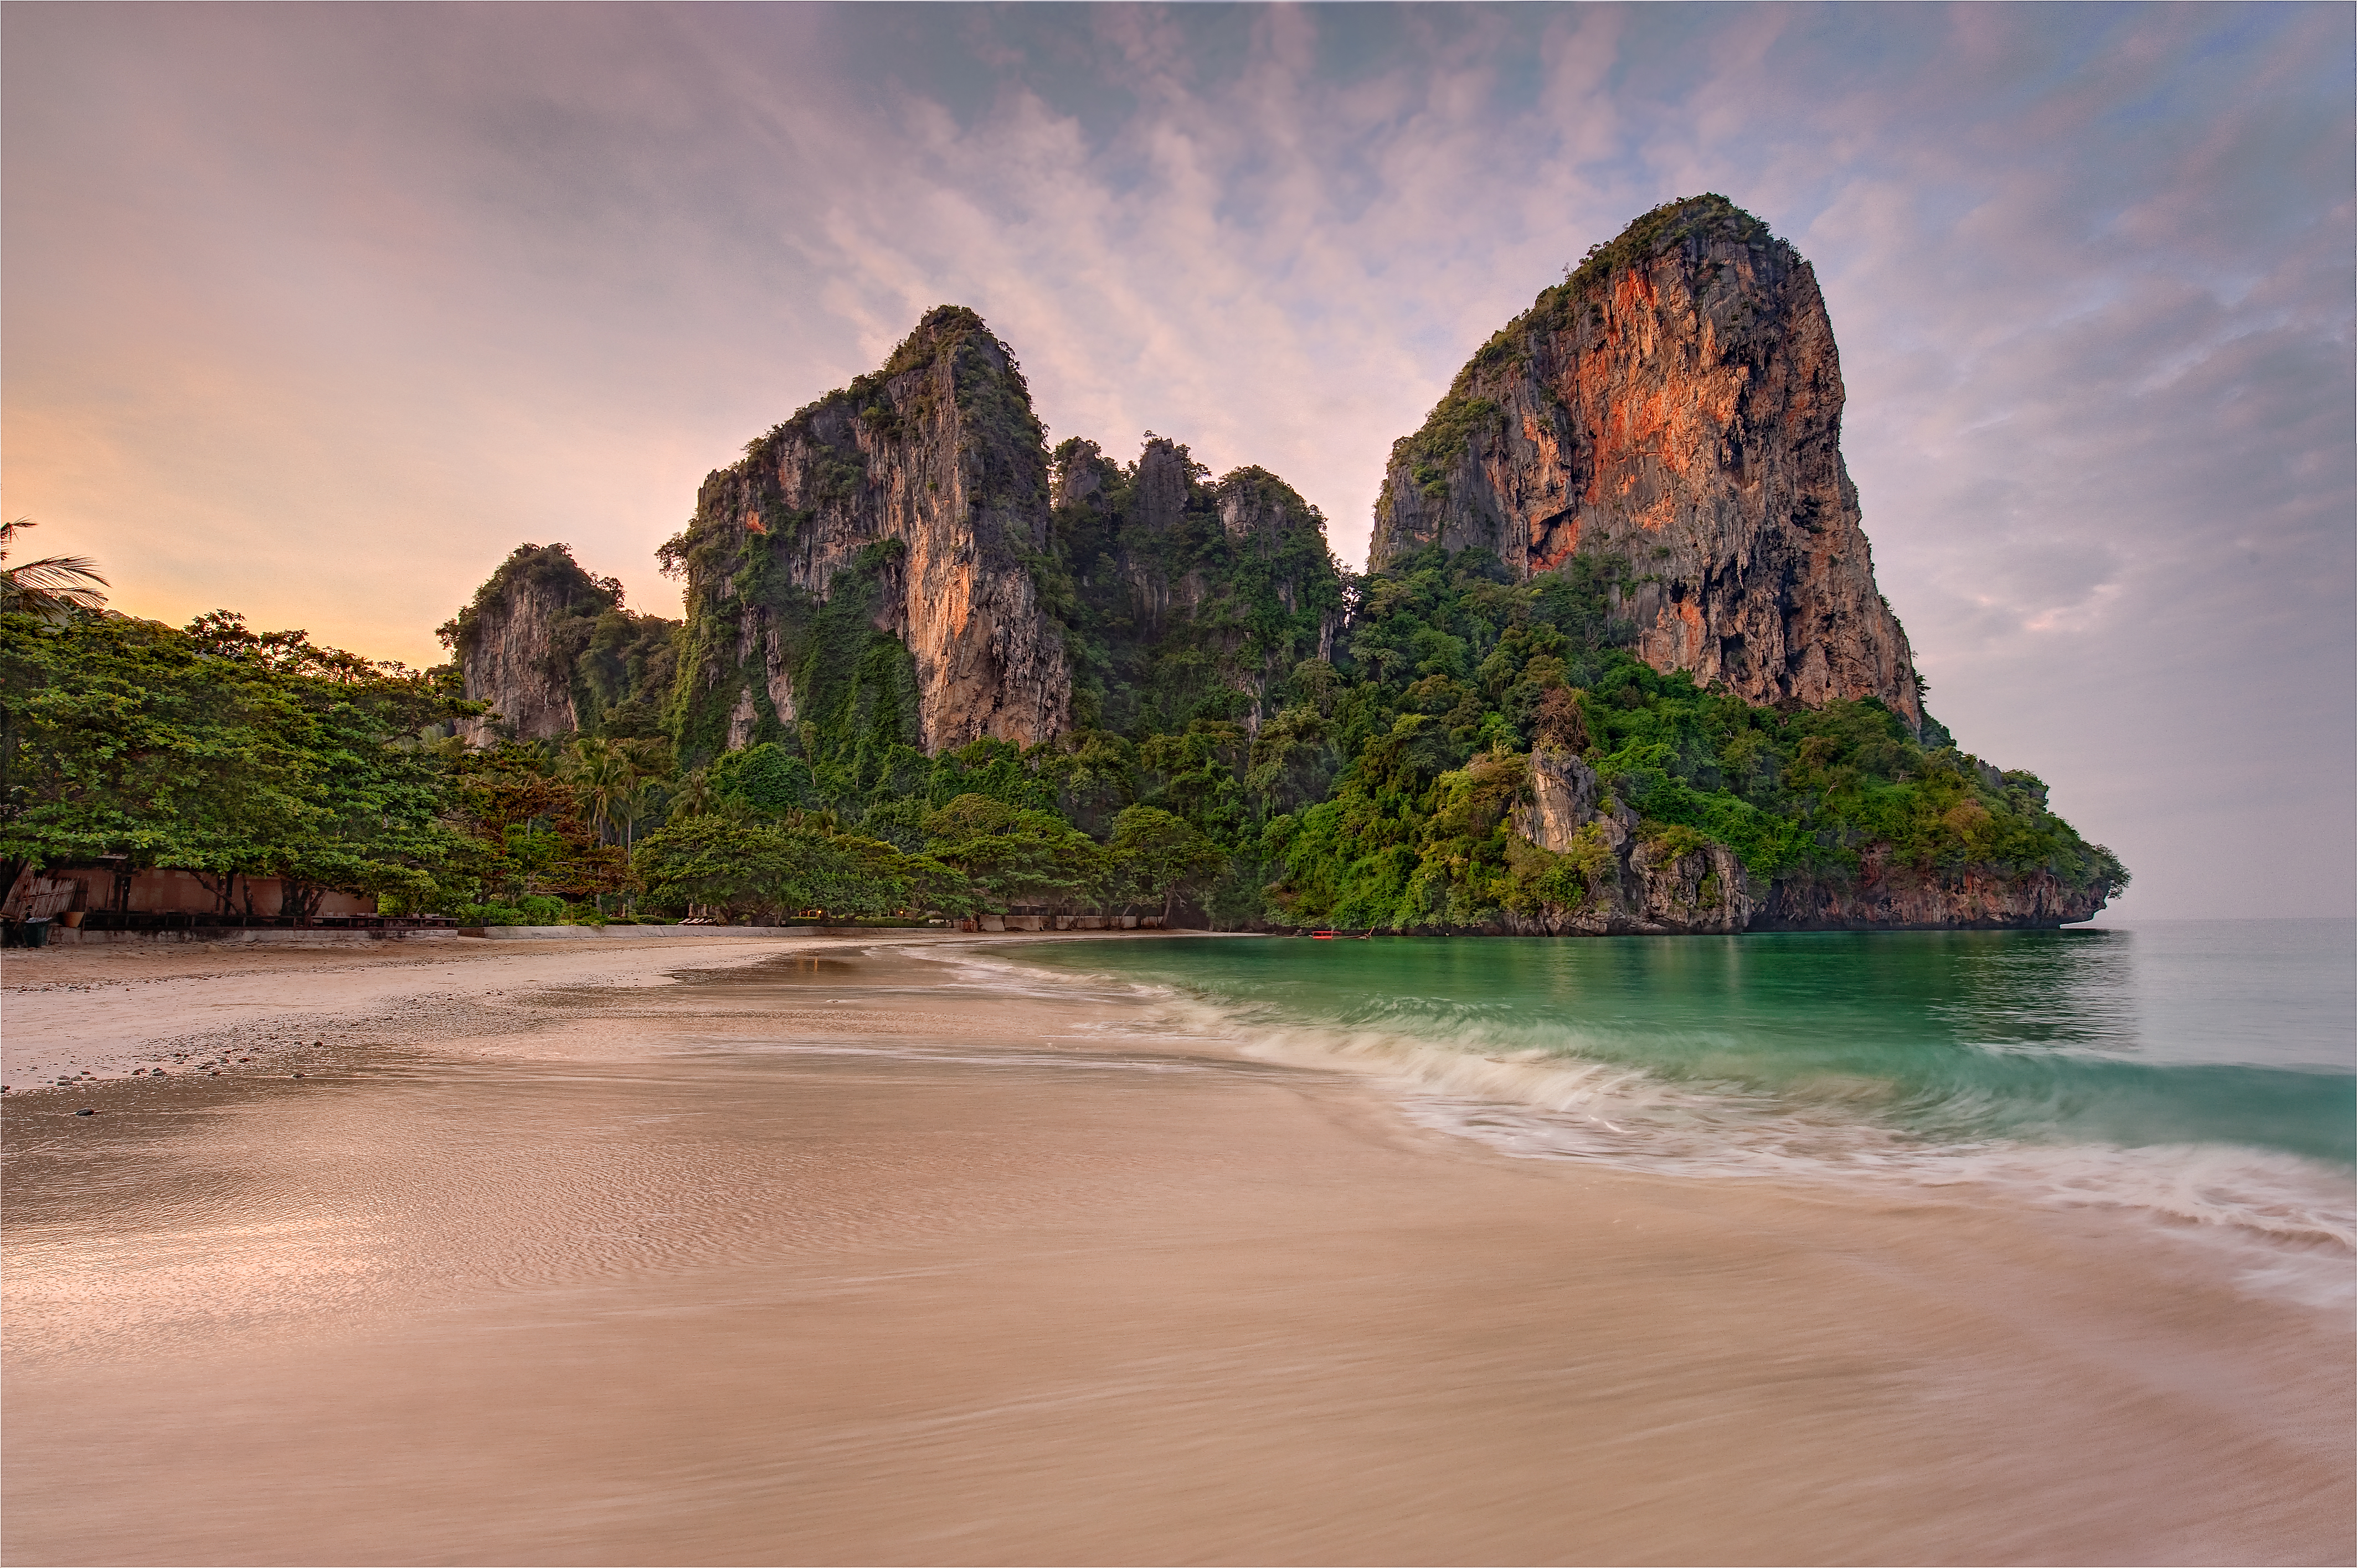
x: 1185, y: 597
x: 902, y: 564
x: 553, y: 652
x: 920, y: 491
x: 1674, y: 406
x: 1619, y: 664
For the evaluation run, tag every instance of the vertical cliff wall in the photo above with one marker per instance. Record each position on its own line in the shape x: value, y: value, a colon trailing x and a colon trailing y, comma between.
x: 553, y: 652
x: 1675, y: 403
x: 921, y: 492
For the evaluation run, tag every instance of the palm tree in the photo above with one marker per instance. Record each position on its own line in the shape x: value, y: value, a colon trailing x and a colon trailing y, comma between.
x: 694, y: 797
x: 607, y: 779
x: 52, y: 587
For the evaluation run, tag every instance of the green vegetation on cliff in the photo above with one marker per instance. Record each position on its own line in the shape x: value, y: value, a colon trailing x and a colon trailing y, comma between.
x: 1170, y: 614
x: 1376, y: 788
x: 1694, y: 218
x: 1461, y: 671
x: 792, y: 537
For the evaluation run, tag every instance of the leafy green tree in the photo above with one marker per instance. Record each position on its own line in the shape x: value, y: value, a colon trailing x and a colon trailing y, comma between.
x: 1162, y: 856
x: 220, y: 751
x: 768, y: 778
x: 374, y: 823
x: 900, y: 823
x: 1013, y: 855
x: 740, y: 867
x: 528, y: 829
x: 934, y: 884
x: 786, y: 869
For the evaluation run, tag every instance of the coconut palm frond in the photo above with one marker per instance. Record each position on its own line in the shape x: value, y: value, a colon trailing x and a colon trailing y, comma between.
x: 50, y: 586
x: 74, y: 578
x: 606, y: 778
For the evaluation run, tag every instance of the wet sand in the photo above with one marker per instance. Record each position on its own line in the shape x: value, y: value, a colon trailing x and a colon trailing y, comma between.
x: 840, y: 1258
x: 105, y: 1010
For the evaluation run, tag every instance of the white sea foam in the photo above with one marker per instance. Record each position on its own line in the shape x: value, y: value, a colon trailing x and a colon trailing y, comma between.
x: 2289, y: 1223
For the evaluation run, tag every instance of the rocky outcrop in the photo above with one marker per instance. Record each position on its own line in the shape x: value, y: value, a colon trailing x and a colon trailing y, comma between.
x: 1662, y: 887
x: 1883, y: 897
x: 549, y: 648
x: 509, y: 662
x: 1668, y: 887
x: 892, y: 567
x: 511, y: 643
x: 1193, y: 596
x: 1265, y: 519
x: 1674, y: 407
x: 922, y: 491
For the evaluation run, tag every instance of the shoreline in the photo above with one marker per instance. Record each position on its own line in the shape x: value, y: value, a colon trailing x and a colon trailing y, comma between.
x: 107, y: 1009
x: 817, y: 1253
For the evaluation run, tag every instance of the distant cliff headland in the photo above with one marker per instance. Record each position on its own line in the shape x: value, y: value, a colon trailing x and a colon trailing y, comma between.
x: 1618, y: 664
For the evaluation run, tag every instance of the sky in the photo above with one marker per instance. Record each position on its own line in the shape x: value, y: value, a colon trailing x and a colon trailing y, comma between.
x: 315, y: 312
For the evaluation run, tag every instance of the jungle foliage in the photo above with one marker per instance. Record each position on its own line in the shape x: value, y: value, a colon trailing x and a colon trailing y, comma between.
x: 226, y: 752
x: 1461, y: 671
x: 1374, y: 787
x: 1169, y: 615
x: 1377, y: 788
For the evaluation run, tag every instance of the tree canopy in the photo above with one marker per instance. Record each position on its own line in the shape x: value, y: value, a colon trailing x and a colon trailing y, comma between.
x: 222, y: 751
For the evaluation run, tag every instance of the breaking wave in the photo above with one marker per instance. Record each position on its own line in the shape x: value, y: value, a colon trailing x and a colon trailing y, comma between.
x: 1707, y: 1083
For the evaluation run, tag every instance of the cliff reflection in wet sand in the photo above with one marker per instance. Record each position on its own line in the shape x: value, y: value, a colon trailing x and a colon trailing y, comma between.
x: 865, y: 1262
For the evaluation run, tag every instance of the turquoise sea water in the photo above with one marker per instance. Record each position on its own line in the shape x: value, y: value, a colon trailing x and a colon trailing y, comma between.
x: 2206, y: 1070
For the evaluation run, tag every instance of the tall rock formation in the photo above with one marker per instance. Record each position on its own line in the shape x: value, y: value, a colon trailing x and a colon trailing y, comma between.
x: 553, y: 652
x: 1186, y: 597
x: 1675, y: 403
x: 867, y: 577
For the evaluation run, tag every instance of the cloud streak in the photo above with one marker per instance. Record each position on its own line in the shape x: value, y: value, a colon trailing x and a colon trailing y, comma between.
x: 316, y: 311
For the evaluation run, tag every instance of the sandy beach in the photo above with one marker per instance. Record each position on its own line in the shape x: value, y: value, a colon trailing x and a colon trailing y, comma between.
x: 832, y: 1250
x: 107, y: 1010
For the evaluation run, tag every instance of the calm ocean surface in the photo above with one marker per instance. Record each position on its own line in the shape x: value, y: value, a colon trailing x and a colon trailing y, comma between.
x: 2204, y: 1070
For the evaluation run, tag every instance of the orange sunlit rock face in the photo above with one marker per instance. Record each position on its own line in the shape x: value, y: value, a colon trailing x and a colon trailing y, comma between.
x: 936, y: 455
x: 1680, y: 412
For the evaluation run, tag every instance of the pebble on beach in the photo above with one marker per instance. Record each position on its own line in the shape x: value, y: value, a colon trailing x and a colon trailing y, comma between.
x: 85, y: 1110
